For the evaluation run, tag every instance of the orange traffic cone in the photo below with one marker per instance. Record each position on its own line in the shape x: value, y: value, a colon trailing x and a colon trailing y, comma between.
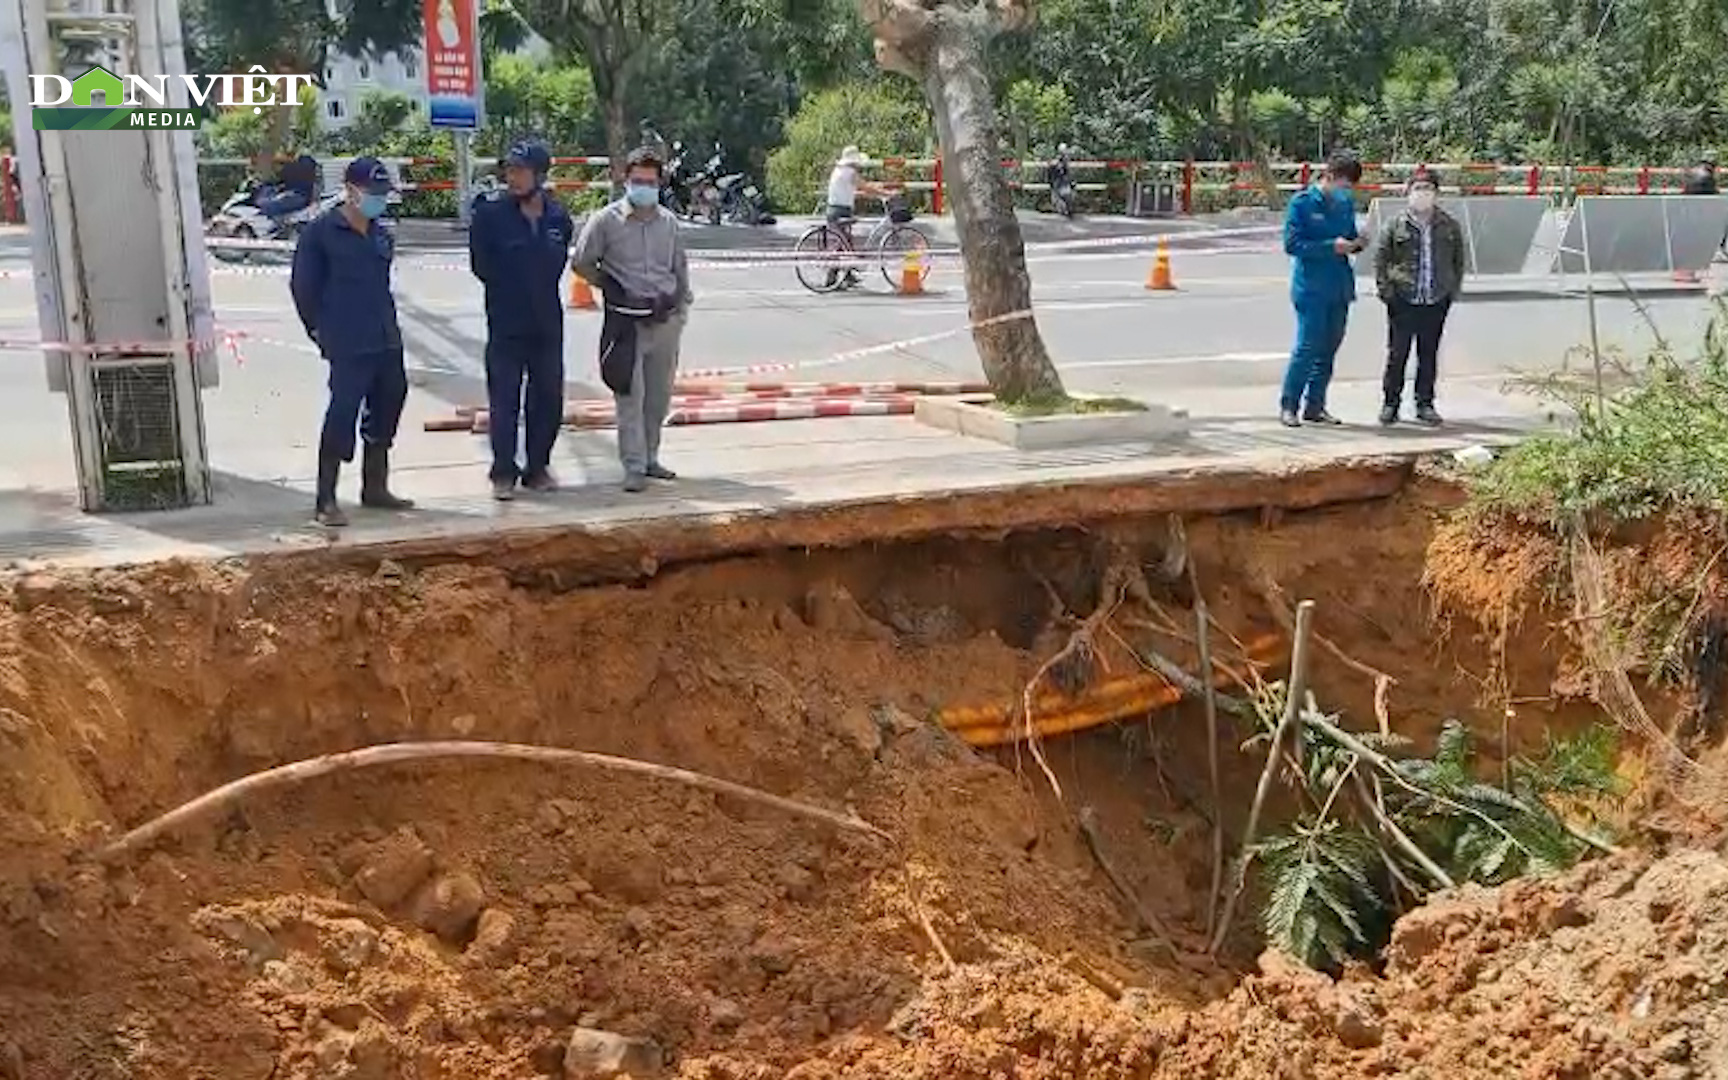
x: 581, y: 293
x: 911, y: 274
x: 1159, y: 280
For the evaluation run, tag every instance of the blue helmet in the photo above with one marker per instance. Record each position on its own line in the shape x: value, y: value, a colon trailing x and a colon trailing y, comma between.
x: 529, y: 154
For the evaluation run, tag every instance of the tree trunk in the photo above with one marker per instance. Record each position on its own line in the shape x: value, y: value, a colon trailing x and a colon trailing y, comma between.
x: 617, y: 128
x: 998, y: 288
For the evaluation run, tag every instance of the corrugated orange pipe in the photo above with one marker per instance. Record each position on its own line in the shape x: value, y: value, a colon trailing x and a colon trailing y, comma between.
x: 1058, y: 714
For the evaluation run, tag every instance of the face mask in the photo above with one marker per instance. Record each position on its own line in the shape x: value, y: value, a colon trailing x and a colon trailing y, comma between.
x: 372, y: 206
x: 641, y: 195
x: 1422, y: 200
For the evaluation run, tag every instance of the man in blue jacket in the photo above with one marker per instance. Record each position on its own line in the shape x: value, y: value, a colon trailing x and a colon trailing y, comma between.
x: 1319, y: 236
x: 518, y: 244
x: 341, y: 287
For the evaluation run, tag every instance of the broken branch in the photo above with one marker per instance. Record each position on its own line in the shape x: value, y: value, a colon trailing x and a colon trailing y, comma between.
x: 1383, y: 682
x: 1149, y: 920
x: 1402, y: 839
x: 1204, y: 634
x: 1292, y: 707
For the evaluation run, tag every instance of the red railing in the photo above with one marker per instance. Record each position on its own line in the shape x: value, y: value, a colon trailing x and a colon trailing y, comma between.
x: 1201, y: 185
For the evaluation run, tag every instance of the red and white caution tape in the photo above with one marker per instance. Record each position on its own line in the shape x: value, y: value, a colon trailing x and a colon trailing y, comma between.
x: 697, y: 390
x: 849, y: 355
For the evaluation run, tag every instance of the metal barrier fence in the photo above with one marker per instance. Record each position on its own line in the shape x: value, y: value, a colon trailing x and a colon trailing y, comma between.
x: 1195, y: 186
x: 1622, y: 234
x: 1599, y: 234
x: 1499, y: 230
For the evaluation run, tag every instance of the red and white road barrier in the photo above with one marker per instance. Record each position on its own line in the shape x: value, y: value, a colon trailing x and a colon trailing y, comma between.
x: 747, y: 412
x: 688, y: 389
x: 734, y: 405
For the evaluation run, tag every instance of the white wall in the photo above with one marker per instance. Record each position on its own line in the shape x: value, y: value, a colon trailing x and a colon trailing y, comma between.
x: 348, y: 79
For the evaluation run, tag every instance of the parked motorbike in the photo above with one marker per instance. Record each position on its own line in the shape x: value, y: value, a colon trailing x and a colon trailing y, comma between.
x: 675, y: 187
x: 242, y: 218
x: 742, y: 202
x: 705, y: 195
x: 1061, y: 183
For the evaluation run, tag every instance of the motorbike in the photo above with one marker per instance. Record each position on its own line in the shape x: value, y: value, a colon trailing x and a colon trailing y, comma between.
x: 742, y: 202
x: 705, y: 195
x: 241, y: 218
x: 1061, y: 186
x: 675, y: 188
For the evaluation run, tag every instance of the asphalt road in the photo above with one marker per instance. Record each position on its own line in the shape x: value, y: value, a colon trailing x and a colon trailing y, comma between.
x: 1217, y: 346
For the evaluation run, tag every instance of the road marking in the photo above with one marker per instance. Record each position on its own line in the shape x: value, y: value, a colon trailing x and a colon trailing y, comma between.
x: 1153, y: 361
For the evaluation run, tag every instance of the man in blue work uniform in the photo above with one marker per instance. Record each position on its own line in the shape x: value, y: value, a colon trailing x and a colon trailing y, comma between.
x: 518, y: 244
x: 1320, y: 236
x: 341, y: 287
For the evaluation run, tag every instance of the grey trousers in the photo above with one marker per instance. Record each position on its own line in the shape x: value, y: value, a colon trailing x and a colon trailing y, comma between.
x: 642, y: 412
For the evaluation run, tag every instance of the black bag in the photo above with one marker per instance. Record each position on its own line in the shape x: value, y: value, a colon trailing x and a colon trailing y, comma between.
x: 898, y: 212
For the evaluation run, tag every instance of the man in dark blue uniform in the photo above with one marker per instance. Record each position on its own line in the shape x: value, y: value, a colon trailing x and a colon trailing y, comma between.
x: 341, y: 287
x: 518, y: 244
x: 1319, y: 236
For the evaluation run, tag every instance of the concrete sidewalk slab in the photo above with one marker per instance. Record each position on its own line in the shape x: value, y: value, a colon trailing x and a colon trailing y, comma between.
x: 730, y: 472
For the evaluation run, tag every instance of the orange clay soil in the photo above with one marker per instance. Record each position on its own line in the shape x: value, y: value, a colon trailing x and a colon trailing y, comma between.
x: 461, y: 919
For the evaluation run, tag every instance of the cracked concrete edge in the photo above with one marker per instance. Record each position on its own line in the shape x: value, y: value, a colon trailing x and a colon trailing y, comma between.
x: 569, y: 555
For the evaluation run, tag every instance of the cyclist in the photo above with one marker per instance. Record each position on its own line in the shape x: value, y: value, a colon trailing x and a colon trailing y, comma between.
x: 844, y: 186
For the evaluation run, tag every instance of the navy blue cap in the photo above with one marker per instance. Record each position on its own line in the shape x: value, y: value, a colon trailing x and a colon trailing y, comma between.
x: 529, y: 154
x: 369, y: 175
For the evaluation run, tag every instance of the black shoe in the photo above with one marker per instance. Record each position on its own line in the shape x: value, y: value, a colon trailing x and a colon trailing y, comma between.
x: 543, y: 483
x: 375, y: 481
x: 1388, y: 415
x: 1321, y: 417
x: 635, y: 482
x: 1427, y: 417
x: 503, y: 490
x: 658, y: 471
x: 324, y: 508
x: 1288, y: 418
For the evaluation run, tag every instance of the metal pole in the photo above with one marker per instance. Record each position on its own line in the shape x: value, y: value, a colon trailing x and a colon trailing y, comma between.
x: 1581, y: 208
x: 464, y: 175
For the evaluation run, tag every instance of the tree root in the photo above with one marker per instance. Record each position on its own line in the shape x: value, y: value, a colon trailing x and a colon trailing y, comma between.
x: 1149, y: 920
x: 1080, y: 643
x: 922, y: 917
x: 394, y: 753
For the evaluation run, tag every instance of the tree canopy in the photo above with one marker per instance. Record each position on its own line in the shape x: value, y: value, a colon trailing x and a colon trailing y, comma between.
x: 1585, y: 81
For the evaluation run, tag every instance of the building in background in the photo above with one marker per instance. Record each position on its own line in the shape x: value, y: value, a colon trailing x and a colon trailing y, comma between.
x: 348, y: 79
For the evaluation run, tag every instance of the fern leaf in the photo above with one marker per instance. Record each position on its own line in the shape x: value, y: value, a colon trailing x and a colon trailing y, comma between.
x: 1327, y: 893
x: 1287, y: 898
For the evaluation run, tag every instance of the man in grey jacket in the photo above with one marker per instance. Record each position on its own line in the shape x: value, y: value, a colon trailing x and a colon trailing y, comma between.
x: 632, y: 251
x: 1419, y: 268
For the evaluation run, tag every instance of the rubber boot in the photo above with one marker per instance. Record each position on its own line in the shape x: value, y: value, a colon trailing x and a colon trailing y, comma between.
x: 325, y: 509
x: 375, y: 481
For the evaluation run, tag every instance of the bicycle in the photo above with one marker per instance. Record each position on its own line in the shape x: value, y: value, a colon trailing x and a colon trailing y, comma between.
x: 891, y: 240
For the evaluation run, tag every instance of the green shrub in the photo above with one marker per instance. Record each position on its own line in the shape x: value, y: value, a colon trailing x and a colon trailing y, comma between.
x: 883, y: 117
x: 1659, y: 440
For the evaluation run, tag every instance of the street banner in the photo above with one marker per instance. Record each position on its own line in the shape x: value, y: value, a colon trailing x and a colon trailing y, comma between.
x: 454, y: 89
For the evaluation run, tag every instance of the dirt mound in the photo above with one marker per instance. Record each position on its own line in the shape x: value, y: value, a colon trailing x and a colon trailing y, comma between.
x: 1613, y: 972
